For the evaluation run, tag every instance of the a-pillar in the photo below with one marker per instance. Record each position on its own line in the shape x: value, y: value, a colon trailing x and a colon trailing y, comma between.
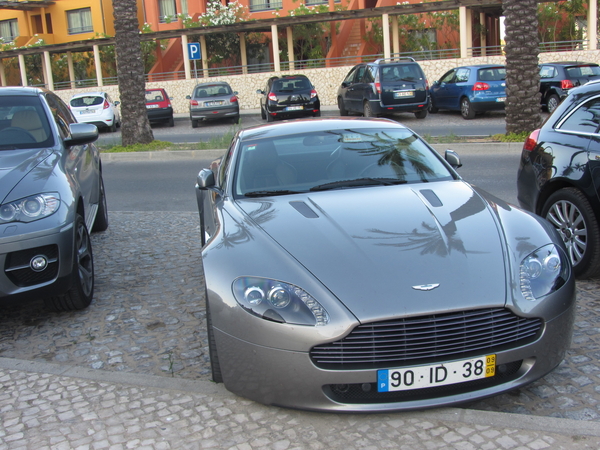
x: 290, y: 46
x: 23, y: 70
x: 98, y: 66
x: 466, y: 31
x: 49, y: 79
x: 275, y: 41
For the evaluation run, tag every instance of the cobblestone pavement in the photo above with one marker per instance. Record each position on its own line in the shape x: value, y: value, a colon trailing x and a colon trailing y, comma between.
x: 147, y: 319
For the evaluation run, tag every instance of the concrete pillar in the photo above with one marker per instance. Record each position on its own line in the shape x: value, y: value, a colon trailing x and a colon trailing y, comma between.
x: 275, y: 41
x: 385, y: 28
x: 2, y: 74
x: 49, y: 79
x: 466, y: 31
x: 592, y: 26
x: 482, y: 34
x: 186, y: 57
x: 204, y: 56
x: 290, y: 46
x: 71, y: 69
x: 395, y: 35
x: 23, y: 70
x: 98, y: 66
x: 243, y: 53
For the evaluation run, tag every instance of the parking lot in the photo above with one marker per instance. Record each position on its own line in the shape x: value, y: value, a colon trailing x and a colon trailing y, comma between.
x: 148, y: 318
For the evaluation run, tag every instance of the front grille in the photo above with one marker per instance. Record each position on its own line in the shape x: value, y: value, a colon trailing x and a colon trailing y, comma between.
x: 427, y: 339
x: 18, y: 271
x: 367, y: 392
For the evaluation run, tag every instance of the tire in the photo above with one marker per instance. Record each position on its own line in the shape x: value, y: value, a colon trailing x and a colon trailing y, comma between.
x: 235, y: 120
x: 367, y: 111
x: 432, y: 108
x: 171, y: 122
x: 466, y: 110
x: 342, y: 107
x: 569, y: 211
x: 421, y: 114
x: 317, y: 114
x: 194, y: 123
x: 552, y: 103
x: 101, y: 220
x: 270, y: 118
x: 81, y: 292
x: 113, y: 127
x: 215, y: 367
x: 263, y: 116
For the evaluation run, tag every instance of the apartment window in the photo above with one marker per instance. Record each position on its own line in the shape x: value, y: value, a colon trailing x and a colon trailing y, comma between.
x: 167, y: 10
x: 262, y: 5
x: 9, y: 30
x: 80, y: 21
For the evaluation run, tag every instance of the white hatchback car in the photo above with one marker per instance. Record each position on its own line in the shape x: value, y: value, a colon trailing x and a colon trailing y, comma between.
x: 96, y: 108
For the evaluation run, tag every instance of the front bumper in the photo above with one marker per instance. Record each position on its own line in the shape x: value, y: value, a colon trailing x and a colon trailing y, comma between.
x: 290, y: 379
x: 18, y: 281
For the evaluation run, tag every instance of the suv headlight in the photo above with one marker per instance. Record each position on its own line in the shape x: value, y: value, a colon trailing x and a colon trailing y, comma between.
x: 278, y: 301
x: 29, y: 209
x: 543, y: 272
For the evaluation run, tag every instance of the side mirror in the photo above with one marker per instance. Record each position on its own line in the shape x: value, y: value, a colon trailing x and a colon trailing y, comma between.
x: 188, y: 97
x: 235, y: 92
x: 452, y: 158
x: 117, y: 103
x: 81, y: 133
x: 206, y: 179
x: 260, y: 91
x: 344, y: 84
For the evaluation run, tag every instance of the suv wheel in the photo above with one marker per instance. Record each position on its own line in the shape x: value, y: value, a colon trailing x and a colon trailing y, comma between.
x: 194, y: 123
x: 552, y: 103
x: 367, y: 111
x: 421, y: 114
x: 342, y: 107
x: 466, y: 110
x: 572, y: 215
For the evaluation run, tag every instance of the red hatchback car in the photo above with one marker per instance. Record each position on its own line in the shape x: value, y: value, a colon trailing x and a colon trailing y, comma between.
x: 158, y: 105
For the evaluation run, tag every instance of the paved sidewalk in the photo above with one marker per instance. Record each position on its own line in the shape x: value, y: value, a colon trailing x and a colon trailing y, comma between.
x: 49, y: 406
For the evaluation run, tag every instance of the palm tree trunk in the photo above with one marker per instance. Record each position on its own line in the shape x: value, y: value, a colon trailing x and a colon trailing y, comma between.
x: 130, y: 75
x: 522, y: 72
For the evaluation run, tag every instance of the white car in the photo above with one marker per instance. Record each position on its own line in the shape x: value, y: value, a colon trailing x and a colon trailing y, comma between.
x: 96, y: 108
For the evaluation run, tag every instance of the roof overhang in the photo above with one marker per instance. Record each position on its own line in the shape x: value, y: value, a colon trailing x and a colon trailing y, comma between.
x: 24, y: 5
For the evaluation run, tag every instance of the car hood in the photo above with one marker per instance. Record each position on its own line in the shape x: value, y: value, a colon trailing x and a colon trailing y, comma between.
x: 393, y: 251
x: 16, y: 164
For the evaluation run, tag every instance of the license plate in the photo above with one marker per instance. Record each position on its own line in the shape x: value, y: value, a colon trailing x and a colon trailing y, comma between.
x: 501, y: 99
x: 400, y: 94
x: 215, y: 103
x: 151, y: 106
x: 420, y: 377
x: 86, y: 111
x: 294, y: 108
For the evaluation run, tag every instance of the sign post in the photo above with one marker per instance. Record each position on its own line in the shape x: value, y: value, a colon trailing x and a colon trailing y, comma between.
x: 194, y: 53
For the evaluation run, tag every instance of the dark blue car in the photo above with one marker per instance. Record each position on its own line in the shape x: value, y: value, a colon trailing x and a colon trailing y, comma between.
x: 470, y: 90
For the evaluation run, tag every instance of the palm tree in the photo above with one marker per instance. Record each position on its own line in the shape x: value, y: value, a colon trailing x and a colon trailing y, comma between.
x: 522, y: 73
x: 130, y: 74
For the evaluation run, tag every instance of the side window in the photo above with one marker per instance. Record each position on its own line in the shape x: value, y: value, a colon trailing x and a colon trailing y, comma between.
x: 222, y: 175
x: 62, y: 115
x: 584, y: 119
x: 462, y: 75
x: 547, y: 72
x: 350, y: 77
x: 369, y: 77
x: 360, y: 73
x: 448, y: 77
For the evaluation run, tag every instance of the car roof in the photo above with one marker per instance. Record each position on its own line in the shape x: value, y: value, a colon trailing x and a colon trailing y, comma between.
x: 90, y: 94
x: 482, y: 66
x: 22, y: 90
x: 569, y: 63
x: 212, y: 83
x: 314, y: 125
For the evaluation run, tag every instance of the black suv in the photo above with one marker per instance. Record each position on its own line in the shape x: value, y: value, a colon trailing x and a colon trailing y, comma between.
x: 559, y: 175
x: 289, y: 96
x: 557, y: 78
x: 383, y: 87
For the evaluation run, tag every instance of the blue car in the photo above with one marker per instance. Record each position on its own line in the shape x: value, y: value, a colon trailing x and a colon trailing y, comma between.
x: 470, y: 90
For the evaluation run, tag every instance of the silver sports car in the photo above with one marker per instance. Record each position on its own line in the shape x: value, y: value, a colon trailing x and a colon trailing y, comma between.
x: 348, y: 267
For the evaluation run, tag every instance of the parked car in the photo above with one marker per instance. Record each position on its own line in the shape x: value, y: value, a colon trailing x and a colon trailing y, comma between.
x: 213, y: 101
x: 158, y: 106
x: 287, y: 97
x: 96, y: 108
x: 558, y: 176
x: 556, y: 79
x: 51, y: 194
x: 383, y: 87
x: 470, y: 90
x: 348, y: 267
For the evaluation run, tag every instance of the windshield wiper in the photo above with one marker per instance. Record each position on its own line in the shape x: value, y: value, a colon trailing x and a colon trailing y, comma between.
x: 269, y: 193
x: 358, y: 182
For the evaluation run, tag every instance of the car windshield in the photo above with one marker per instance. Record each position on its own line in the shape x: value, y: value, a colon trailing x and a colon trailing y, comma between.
x: 23, y: 124
x: 154, y: 96
x: 336, y: 159
x: 290, y: 84
x: 86, y: 101
x: 213, y: 90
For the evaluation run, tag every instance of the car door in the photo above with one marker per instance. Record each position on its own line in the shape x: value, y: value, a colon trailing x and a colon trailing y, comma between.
x: 81, y: 162
x: 441, y: 89
x: 349, y: 89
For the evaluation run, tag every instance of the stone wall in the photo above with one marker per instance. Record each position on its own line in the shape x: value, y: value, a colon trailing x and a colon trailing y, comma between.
x: 326, y: 80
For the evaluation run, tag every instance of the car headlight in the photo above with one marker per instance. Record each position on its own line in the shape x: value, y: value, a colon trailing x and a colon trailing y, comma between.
x: 30, y: 208
x: 543, y: 272
x: 278, y: 301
